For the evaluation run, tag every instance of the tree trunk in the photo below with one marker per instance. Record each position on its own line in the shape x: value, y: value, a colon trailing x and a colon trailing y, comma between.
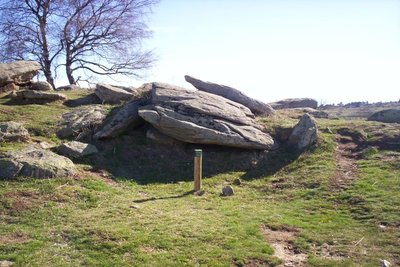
x: 48, y: 75
x: 70, y: 77
x: 46, y: 62
x: 68, y: 67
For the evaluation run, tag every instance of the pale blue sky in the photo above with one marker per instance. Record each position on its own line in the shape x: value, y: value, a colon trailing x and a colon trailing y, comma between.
x: 331, y: 50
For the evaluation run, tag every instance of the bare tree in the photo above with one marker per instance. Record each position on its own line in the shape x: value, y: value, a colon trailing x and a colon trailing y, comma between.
x: 24, y: 33
x: 104, y: 36
x: 99, y: 36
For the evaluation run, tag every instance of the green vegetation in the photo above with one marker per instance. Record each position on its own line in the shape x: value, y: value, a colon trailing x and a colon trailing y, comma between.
x: 98, y: 220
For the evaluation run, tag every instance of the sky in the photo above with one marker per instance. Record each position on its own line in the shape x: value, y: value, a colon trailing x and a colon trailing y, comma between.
x: 333, y: 51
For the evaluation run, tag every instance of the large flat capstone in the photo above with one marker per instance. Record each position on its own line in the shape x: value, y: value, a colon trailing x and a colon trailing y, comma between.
x: 203, y: 118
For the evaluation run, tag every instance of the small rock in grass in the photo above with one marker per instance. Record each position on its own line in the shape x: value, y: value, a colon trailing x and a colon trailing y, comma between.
x: 237, y: 182
x: 6, y: 263
x: 327, y: 130
x: 41, y: 86
x: 36, y: 163
x: 199, y: 193
x: 45, y: 145
x: 305, y: 133
x: 13, y: 132
x: 68, y: 87
x: 227, y: 191
x: 43, y: 96
x: 75, y: 149
x: 136, y: 207
x: 385, y: 263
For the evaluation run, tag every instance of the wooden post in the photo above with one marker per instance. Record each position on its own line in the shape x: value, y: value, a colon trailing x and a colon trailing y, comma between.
x: 198, y: 169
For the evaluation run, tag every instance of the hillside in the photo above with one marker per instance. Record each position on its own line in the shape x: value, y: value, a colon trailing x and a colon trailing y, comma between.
x: 334, y: 204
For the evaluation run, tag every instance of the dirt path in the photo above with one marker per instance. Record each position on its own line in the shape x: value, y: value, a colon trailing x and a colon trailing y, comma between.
x: 282, y: 242
x: 346, y: 172
x: 346, y: 168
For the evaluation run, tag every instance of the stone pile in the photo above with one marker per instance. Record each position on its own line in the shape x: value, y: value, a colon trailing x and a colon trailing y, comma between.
x: 295, y: 103
x: 16, y: 77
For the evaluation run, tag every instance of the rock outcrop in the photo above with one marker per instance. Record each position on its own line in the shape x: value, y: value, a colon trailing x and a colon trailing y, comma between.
x: 203, y: 118
x: 314, y: 112
x: 82, y: 122
x: 35, y: 163
x: 41, y: 86
x: 90, y: 99
x: 68, y: 87
x: 160, y: 138
x: 320, y: 114
x: 295, y: 103
x: 143, y: 93
x: 18, y: 72
x: 9, y: 87
x: 13, y: 132
x: 40, y: 96
x: 305, y: 133
x: 227, y: 191
x: 127, y: 117
x: 75, y: 149
x: 257, y: 107
x: 387, y: 115
x: 112, y: 94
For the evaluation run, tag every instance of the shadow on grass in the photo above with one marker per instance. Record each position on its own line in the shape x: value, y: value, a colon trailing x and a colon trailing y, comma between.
x: 271, y: 163
x: 85, y: 100
x: 164, y: 198
x: 24, y: 102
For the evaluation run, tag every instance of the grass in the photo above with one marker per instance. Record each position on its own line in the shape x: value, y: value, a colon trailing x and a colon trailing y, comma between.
x: 92, y: 220
x: 40, y: 120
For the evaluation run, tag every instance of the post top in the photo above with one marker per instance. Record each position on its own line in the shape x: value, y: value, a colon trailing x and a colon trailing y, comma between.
x: 198, y: 152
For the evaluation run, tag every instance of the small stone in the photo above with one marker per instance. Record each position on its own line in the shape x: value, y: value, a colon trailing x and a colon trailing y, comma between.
x: 36, y: 163
x: 136, y: 207
x: 13, y: 132
x: 43, y: 96
x: 75, y: 149
x: 227, y: 191
x: 305, y: 133
x: 45, y: 145
x: 237, y: 182
x: 68, y: 87
x: 6, y: 263
x: 199, y: 193
x: 385, y: 263
x: 41, y: 86
x: 327, y: 130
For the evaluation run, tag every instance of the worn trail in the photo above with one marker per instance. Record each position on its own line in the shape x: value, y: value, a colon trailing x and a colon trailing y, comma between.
x: 282, y: 242
x: 346, y: 168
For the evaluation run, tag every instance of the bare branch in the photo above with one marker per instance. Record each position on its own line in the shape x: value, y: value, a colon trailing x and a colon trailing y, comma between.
x: 99, y: 36
x: 104, y: 37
